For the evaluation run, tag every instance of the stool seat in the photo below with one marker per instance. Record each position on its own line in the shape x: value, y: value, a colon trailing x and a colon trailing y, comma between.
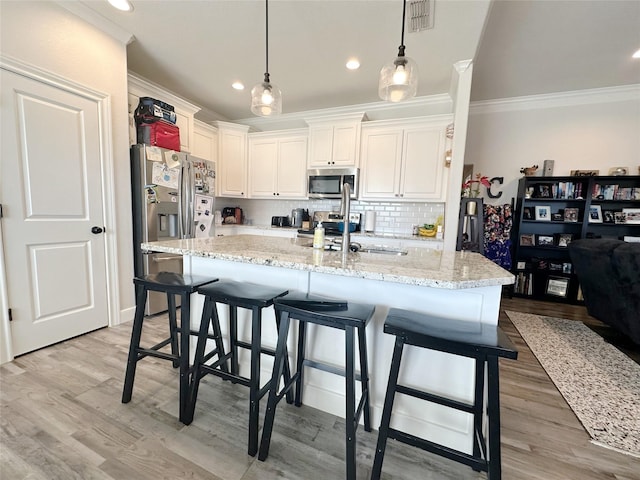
x: 350, y: 317
x: 485, y: 344
x: 173, y: 284
x: 448, y: 335
x: 234, y: 294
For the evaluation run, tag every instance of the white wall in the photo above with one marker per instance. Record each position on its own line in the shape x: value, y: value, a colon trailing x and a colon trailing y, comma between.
x: 588, y: 130
x: 47, y: 36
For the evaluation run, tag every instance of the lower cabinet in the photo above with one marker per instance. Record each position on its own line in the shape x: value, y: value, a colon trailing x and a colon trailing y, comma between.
x: 278, y: 165
x: 403, y: 161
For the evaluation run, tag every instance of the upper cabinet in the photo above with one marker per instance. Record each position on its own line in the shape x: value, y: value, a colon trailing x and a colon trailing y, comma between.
x: 232, y: 160
x: 205, y: 141
x: 278, y: 164
x: 403, y: 160
x: 139, y: 87
x: 334, y: 140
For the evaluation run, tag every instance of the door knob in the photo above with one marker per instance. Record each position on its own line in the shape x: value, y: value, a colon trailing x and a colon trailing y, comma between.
x: 97, y: 230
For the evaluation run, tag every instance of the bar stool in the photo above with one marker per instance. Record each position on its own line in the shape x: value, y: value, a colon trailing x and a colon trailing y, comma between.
x: 482, y: 342
x: 234, y: 294
x: 347, y: 316
x: 172, y: 284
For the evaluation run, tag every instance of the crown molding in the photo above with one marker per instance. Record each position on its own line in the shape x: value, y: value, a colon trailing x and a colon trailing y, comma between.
x: 623, y: 93
x: 98, y: 21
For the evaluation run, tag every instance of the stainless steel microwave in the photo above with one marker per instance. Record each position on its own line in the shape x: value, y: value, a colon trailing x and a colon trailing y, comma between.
x: 328, y: 182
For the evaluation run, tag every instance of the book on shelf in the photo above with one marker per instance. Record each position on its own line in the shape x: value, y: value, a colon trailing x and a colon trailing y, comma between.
x: 614, y: 192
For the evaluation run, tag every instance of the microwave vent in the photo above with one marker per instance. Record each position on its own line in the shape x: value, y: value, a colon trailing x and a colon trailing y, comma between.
x: 420, y: 15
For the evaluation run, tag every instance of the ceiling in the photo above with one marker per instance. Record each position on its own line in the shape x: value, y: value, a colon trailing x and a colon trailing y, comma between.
x: 197, y: 49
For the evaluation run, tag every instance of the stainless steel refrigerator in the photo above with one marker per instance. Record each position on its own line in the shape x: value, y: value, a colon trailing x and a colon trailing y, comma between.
x: 173, y: 197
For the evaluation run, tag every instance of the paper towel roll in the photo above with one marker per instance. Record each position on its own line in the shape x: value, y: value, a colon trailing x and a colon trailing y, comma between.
x: 369, y: 221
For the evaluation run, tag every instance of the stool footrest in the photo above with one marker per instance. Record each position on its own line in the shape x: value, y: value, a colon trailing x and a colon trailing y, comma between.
x: 213, y: 369
x: 151, y: 352
x: 430, y: 397
x: 247, y: 345
x: 325, y: 367
x: 450, y: 453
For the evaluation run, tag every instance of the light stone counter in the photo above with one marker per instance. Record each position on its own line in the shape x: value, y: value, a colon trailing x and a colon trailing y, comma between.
x: 421, y: 266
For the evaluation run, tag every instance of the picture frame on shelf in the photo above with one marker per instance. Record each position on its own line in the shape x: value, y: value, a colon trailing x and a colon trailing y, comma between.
x: 557, y: 286
x: 608, y: 216
x: 567, y: 267
x: 595, y: 214
x: 620, y: 217
x: 558, y: 217
x: 545, y: 240
x: 521, y: 265
x: 564, y: 239
x: 571, y: 214
x: 527, y: 240
x: 543, y: 190
x: 543, y: 213
x: 632, y: 215
x: 527, y: 213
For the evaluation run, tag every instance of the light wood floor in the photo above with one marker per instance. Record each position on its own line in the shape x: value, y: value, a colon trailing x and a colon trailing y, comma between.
x: 61, y: 418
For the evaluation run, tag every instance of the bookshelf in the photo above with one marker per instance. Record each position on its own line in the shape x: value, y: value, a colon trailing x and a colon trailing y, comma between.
x: 551, y: 212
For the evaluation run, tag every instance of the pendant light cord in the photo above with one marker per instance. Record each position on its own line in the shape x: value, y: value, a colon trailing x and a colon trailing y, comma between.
x: 266, y: 16
x: 404, y: 10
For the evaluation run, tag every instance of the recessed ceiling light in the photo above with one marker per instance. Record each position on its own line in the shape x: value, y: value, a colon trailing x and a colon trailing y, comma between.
x: 637, y: 54
x: 124, y: 5
x: 238, y: 85
x: 353, y: 64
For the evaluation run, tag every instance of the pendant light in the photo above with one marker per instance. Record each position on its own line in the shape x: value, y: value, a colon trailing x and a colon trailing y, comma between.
x: 266, y: 98
x: 399, y: 78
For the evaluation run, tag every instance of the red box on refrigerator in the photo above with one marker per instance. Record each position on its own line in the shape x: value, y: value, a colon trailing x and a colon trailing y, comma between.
x: 159, y: 134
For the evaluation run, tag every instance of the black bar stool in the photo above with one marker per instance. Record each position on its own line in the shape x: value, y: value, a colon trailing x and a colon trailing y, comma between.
x: 234, y: 294
x: 482, y: 342
x: 172, y: 284
x: 350, y: 317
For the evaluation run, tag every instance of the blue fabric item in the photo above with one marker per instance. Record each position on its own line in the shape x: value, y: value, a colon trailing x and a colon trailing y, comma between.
x: 499, y: 251
x: 498, y: 221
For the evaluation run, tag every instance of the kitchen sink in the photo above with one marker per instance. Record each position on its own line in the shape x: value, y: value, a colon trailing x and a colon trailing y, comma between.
x: 383, y: 250
x: 355, y: 247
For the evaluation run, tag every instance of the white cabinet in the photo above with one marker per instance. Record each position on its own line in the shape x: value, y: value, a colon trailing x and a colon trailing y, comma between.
x: 277, y: 165
x: 139, y: 87
x: 403, y: 161
x: 334, y: 141
x: 205, y: 141
x: 232, y: 160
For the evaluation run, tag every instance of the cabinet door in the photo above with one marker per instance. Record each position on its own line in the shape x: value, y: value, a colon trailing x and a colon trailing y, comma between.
x: 344, y: 152
x: 422, y: 164
x: 320, y: 145
x: 205, y: 142
x: 381, y: 158
x: 184, y: 122
x: 292, y: 168
x: 263, y: 164
x: 233, y: 163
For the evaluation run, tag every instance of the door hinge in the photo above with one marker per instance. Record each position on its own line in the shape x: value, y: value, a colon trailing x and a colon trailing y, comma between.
x: 0, y: 210
x: 10, y: 315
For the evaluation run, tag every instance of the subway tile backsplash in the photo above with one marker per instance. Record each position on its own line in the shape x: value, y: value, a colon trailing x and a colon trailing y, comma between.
x: 391, y: 217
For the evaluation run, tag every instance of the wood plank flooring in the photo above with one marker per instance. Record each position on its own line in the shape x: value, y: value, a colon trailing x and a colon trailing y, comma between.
x: 61, y: 418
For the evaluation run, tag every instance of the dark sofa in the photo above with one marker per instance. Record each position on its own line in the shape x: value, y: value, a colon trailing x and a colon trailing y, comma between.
x: 609, y: 274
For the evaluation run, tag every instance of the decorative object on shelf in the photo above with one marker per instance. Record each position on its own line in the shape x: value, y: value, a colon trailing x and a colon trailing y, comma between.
x: 266, y: 98
x: 595, y: 214
x: 557, y: 286
x: 399, y: 78
x: 471, y: 188
x: 620, y: 217
x: 547, y: 168
x: 619, y: 171
x: 564, y: 239
x: 544, y: 240
x: 632, y: 215
x: 527, y: 240
x: 529, y: 171
x: 585, y: 173
x: 543, y: 213
x: 571, y: 214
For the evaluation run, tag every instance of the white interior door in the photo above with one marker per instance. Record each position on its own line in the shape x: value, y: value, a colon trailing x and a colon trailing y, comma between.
x: 51, y: 193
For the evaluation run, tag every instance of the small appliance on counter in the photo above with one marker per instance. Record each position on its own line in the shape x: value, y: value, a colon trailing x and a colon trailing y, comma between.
x: 280, y: 221
x: 297, y: 216
x: 232, y: 215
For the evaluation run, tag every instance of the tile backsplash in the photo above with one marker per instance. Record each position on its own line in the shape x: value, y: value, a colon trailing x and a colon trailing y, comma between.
x: 391, y: 217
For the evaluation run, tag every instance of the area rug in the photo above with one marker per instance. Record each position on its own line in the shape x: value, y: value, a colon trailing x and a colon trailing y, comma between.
x: 600, y: 383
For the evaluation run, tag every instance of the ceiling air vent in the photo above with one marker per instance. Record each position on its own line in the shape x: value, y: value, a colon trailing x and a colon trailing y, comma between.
x: 420, y: 15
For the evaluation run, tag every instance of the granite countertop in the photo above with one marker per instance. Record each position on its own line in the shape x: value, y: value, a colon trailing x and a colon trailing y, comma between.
x: 421, y: 266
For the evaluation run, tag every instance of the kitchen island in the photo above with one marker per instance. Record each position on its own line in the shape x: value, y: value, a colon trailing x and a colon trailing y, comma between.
x: 462, y: 285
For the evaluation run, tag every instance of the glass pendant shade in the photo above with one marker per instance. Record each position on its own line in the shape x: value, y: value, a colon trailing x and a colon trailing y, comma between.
x: 266, y: 99
x: 398, y: 80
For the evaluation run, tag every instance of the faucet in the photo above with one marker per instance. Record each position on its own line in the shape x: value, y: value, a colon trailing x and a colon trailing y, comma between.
x: 345, y: 207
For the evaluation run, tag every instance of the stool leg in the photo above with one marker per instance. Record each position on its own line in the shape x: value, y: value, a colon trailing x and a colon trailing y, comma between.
x: 278, y: 362
x: 173, y: 328
x: 233, y: 338
x: 286, y: 368
x: 364, y: 377
x: 185, y: 333
x: 136, y: 333
x: 478, y: 411
x: 302, y: 343
x: 197, y: 360
x: 493, y: 406
x: 217, y: 333
x: 386, y: 411
x: 350, y: 407
x: 254, y: 379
